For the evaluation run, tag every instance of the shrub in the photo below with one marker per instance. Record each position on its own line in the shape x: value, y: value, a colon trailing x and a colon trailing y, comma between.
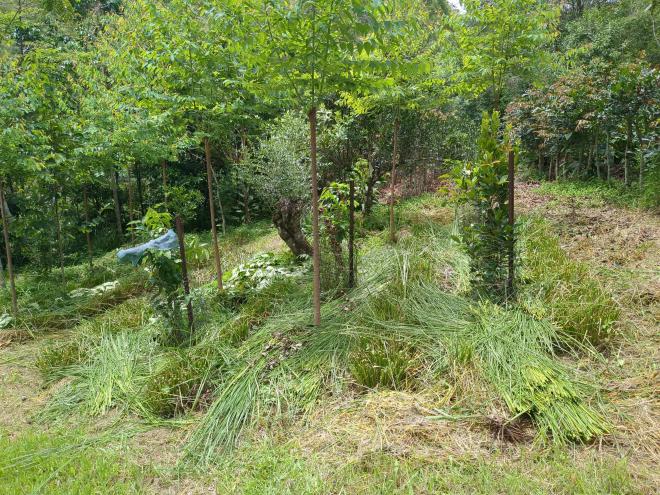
x: 261, y: 271
x: 483, y: 185
x: 382, y: 363
x: 563, y: 289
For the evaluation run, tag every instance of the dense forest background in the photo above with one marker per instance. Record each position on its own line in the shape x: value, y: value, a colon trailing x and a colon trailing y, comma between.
x: 107, y: 106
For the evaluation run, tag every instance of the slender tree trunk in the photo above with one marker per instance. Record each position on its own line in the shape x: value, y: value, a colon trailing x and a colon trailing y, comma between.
x: 351, y: 234
x: 10, y: 263
x: 115, y: 197
x: 628, y: 145
x: 214, y: 229
x: 131, y: 216
x: 596, y: 156
x: 222, y: 210
x: 608, y: 158
x: 246, y: 205
x: 552, y: 161
x: 140, y: 192
x: 557, y: 167
x: 88, y: 234
x: 369, y: 194
x: 3, y: 283
x: 395, y: 159
x: 60, y: 247
x: 178, y: 222
x: 641, y: 153
x: 163, y: 168
x: 316, y: 238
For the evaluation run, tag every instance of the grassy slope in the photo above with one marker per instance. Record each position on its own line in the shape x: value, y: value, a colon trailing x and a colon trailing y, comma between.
x: 379, y: 442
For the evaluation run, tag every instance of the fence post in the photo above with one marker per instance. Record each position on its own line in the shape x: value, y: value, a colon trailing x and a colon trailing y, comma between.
x: 178, y: 221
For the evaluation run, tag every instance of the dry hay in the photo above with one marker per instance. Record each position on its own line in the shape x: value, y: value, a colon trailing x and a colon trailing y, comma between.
x: 389, y: 421
x: 602, y: 234
x: 412, y: 424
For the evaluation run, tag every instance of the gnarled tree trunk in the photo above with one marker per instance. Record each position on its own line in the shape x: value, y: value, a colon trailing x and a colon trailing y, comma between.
x: 286, y: 218
x: 4, y: 213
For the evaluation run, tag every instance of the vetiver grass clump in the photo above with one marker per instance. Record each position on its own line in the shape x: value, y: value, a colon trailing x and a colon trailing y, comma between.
x: 514, y: 354
x: 561, y: 289
x: 383, y: 363
x: 180, y: 381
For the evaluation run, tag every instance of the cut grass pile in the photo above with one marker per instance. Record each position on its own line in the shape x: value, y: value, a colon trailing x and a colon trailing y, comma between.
x: 257, y: 360
x: 287, y: 363
x: 515, y: 355
x: 46, y: 303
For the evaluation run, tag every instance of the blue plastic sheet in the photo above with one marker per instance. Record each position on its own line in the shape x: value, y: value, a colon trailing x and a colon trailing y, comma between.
x: 163, y: 243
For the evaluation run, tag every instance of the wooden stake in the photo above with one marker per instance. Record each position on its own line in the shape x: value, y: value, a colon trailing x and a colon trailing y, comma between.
x: 351, y: 234
x: 60, y: 247
x: 214, y: 229
x: 395, y: 159
x: 316, y: 238
x: 88, y: 234
x: 10, y: 264
x: 511, y: 242
x: 178, y: 222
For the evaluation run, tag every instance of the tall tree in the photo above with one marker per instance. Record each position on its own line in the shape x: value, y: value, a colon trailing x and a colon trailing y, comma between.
x: 495, y: 41
x: 305, y: 51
